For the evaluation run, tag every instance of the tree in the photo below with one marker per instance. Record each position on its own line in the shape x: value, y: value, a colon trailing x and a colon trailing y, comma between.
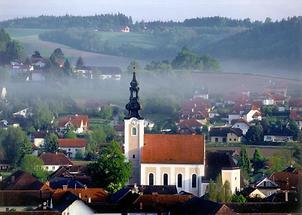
x: 212, y: 194
x: 70, y: 134
x: 244, y: 161
x: 227, y: 191
x: 13, y: 51
x: 16, y: 144
x: 258, y: 161
x: 255, y: 134
x: 34, y: 165
x: 295, y: 131
x: 238, y: 198
x: 42, y: 116
x: 67, y: 68
x: 80, y: 62
x: 51, y: 143
x: 111, y: 170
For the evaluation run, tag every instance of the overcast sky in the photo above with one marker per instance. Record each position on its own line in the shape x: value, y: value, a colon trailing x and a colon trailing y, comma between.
x: 154, y: 9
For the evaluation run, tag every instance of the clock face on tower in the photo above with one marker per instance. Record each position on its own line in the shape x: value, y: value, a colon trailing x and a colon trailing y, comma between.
x: 133, y: 122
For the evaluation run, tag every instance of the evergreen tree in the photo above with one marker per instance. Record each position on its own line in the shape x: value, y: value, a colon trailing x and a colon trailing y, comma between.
x: 258, y: 161
x: 80, y: 62
x: 244, y: 161
x: 212, y: 193
x: 227, y: 191
x: 67, y: 68
x: 51, y: 143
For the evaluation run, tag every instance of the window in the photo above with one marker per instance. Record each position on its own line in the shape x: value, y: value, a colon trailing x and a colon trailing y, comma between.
x: 194, y: 181
x: 133, y: 156
x: 216, y: 139
x: 151, y: 179
x: 165, y: 178
x: 230, y: 139
x: 179, y: 180
x: 133, y: 131
x: 53, y: 168
x: 224, y: 139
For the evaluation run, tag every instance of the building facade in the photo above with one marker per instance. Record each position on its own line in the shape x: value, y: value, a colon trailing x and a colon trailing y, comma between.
x: 161, y: 159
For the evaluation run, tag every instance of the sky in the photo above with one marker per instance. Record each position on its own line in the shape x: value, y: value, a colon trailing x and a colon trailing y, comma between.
x: 149, y: 10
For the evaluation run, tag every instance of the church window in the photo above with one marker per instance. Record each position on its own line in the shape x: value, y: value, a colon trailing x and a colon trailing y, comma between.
x: 166, y: 179
x: 179, y: 180
x: 194, y: 180
x: 133, y: 132
x: 151, y: 179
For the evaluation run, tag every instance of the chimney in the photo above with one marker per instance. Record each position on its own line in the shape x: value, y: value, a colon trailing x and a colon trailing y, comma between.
x: 141, y: 206
x: 286, y: 196
x: 65, y: 187
x: 89, y: 200
x: 80, y: 196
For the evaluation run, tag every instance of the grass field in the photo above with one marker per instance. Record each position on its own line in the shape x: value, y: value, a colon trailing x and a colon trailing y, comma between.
x: 30, y: 41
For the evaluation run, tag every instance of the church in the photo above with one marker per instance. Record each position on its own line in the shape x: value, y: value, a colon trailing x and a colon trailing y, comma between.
x: 162, y: 159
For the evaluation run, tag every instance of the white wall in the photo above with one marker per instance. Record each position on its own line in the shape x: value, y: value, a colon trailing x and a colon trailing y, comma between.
x: 77, y: 208
x: 233, y: 176
x: 187, y: 170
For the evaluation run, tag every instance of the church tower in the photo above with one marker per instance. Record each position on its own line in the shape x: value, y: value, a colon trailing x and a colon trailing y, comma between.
x: 134, y: 131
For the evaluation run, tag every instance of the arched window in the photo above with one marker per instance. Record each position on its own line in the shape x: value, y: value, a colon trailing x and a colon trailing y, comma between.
x: 151, y: 179
x: 166, y: 179
x: 133, y: 132
x: 194, y: 181
x: 179, y: 180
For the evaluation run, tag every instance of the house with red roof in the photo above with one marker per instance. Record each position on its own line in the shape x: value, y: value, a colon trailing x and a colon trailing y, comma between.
x: 78, y: 122
x: 53, y: 161
x: 73, y: 146
x: 297, y: 117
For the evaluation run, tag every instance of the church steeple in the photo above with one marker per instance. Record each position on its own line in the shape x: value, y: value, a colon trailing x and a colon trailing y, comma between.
x: 133, y: 105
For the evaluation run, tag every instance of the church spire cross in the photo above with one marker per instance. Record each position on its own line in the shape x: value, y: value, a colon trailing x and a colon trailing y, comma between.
x: 133, y: 105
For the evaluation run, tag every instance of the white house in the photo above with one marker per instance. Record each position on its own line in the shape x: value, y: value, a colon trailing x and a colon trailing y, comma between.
x: 53, y: 161
x: 241, y: 124
x: 252, y: 115
x: 73, y: 146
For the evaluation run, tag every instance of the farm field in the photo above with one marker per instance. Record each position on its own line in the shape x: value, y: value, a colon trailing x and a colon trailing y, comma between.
x: 30, y: 40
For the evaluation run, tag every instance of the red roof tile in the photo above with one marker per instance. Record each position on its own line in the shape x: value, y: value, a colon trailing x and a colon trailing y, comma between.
x: 72, y: 143
x: 173, y: 149
x: 55, y: 159
x: 75, y: 120
x: 95, y: 194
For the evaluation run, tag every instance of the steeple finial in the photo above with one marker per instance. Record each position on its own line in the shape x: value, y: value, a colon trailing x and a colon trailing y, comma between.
x: 133, y: 105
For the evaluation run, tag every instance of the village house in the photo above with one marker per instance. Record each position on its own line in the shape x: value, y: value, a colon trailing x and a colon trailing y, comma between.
x: 73, y: 147
x: 223, y: 163
x: 53, y: 161
x: 253, y: 114
x: 261, y: 189
x: 288, y: 179
x: 296, y: 116
x: 77, y: 122
x: 101, y: 73
x: 160, y: 159
x: 225, y: 135
x: 241, y: 124
x: 278, y: 136
x: 189, y: 126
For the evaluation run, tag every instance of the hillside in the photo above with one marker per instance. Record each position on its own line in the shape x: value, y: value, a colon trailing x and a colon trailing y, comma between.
x: 278, y: 41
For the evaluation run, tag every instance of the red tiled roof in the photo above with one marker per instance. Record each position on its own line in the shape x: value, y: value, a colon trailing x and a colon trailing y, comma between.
x: 95, y: 194
x: 295, y: 115
x: 287, y: 180
x: 75, y: 120
x: 21, y: 180
x: 55, y: 159
x: 295, y: 102
x: 173, y: 149
x: 190, y: 123
x: 72, y: 143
